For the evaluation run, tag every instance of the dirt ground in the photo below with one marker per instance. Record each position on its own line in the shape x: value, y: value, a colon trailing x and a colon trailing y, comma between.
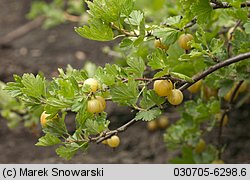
x: 48, y: 50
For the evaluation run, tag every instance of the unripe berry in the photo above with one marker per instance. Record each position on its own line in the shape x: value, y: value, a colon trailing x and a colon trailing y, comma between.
x: 195, y: 87
x: 92, y: 83
x: 176, y: 97
x: 200, y: 147
x: 163, y: 87
x: 102, y: 101
x: 158, y: 44
x: 163, y: 122
x: 96, y: 105
x: 43, y: 119
x: 152, y: 125
x: 114, y: 141
x: 184, y: 40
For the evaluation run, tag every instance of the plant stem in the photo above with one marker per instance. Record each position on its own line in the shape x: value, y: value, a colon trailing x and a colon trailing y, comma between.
x: 215, y: 67
x: 223, y: 115
x: 108, y: 134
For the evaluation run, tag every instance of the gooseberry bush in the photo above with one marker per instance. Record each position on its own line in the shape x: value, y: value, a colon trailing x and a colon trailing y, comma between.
x: 190, y: 57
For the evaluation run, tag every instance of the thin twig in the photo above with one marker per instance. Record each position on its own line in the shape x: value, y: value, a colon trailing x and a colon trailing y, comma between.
x: 214, y: 68
x: 230, y: 38
x: 71, y: 18
x: 174, y: 79
x: 191, y: 23
x: 230, y: 103
x: 224, y: 5
x: 123, y: 31
x: 108, y: 134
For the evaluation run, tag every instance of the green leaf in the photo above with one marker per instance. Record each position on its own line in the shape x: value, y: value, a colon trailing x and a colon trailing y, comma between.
x: 96, y: 125
x: 136, y: 68
x: 109, y: 10
x: 59, y: 103
x: 168, y: 35
x: 96, y: 30
x: 14, y: 89
x: 202, y: 10
x: 67, y: 152
x: 157, y: 59
x: 193, y: 55
x: 33, y: 86
x: 55, y: 126
x: 108, y: 74
x: 181, y: 76
x: 79, y: 104
x: 126, y: 42
x: 186, y: 158
x: 207, y: 156
x: 214, y: 106
x: 150, y: 98
x: 138, y: 41
x: 173, y: 20
x: 162, y: 73
x: 134, y: 18
x: 48, y: 140
x: 216, y: 45
x: 125, y: 94
x: 148, y: 115
x: 247, y: 27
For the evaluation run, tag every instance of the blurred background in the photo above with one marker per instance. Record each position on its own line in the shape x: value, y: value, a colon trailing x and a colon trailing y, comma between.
x: 26, y: 46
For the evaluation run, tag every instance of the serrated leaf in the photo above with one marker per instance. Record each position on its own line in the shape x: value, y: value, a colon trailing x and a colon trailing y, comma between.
x: 157, y: 59
x: 55, y: 126
x: 48, y: 140
x: 150, y: 98
x: 107, y: 75
x: 96, y: 30
x: 168, y: 35
x: 202, y: 10
x: 96, y: 125
x: 134, y: 18
x: 79, y: 104
x: 148, y: 115
x: 136, y: 67
x: 109, y: 10
x: 14, y: 89
x: 216, y: 45
x: 125, y: 94
x: 59, y: 103
x: 67, y: 152
x: 33, y: 86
